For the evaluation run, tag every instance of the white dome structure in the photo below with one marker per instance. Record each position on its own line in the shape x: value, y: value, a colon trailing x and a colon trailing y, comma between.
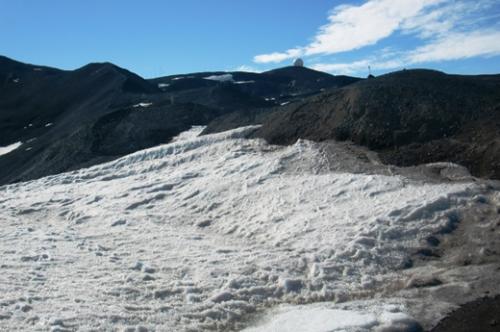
x: 298, y: 63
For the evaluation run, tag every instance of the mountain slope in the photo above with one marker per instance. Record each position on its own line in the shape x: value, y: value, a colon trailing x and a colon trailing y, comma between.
x: 70, y: 119
x: 33, y: 96
x: 49, y: 110
x: 410, y: 117
x: 279, y: 85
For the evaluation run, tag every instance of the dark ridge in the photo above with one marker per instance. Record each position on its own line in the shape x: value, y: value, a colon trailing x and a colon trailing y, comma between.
x: 128, y: 130
x: 71, y: 119
x: 32, y: 97
x: 294, y: 72
x: 225, y: 96
x: 8, y: 65
x: 113, y: 135
x: 132, y: 83
x: 410, y: 117
x: 289, y: 83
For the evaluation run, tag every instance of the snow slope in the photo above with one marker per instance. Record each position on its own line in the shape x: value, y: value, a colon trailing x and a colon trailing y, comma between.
x: 212, y: 233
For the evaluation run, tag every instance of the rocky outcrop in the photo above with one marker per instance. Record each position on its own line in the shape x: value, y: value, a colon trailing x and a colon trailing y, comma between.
x: 409, y: 117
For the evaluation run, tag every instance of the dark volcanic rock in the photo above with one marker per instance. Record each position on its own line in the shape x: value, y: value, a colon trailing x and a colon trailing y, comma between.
x: 279, y: 85
x: 410, y: 117
x: 128, y: 130
x: 33, y: 96
x: 72, y: 119
x: 49, y: 110
x: 482, y: 315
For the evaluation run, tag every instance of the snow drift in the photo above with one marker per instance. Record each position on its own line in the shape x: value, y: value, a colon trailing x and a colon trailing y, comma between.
x: 212, y: 233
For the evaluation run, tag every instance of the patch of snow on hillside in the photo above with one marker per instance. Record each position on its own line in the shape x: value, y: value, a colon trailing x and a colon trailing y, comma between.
x: 9, y: 148
x: 220, y: 78
x: 244, y: 82
x: 143, y: 105
x: 202, y: 233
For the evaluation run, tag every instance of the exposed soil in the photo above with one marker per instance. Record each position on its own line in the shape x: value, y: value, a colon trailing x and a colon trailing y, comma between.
x: 481, y: 315
x: 410, y: 117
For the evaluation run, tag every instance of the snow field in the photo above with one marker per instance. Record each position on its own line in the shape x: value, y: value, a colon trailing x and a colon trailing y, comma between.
x: 202, y: 233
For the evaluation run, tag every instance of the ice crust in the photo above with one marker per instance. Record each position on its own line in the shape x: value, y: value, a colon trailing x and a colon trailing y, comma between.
x: 208, y: 231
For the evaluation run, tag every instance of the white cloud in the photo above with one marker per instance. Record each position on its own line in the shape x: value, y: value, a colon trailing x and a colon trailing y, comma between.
x: 448, y: 17
x: 458, y: 46
x: 277, y: 56
x: 442, y: 30
x: 358, y: 66
x: 342, y: 68
x: 249, y: 69
x: 428, y: 24
x: 454, y: 46
x: 353, y: 27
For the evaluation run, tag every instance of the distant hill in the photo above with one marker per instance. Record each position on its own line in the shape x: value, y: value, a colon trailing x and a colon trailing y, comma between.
x: 71, y: 119
x: 279, y: 85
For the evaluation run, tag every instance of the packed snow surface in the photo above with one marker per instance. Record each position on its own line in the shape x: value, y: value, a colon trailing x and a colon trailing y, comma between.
x: 323, y: 317
x: 212, y: 233
x: 194, y: 132
x: 9, y: 148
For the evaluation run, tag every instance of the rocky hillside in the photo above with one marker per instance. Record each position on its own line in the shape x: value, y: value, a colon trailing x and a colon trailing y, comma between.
x: 410, y: 117
x: 70, y: 119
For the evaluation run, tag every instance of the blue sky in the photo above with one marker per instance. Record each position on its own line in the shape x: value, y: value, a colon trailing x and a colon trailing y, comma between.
x: 155, y: 38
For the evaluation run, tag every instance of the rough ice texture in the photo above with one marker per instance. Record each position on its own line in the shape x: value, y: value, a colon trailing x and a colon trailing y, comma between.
x: 203, y: 233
